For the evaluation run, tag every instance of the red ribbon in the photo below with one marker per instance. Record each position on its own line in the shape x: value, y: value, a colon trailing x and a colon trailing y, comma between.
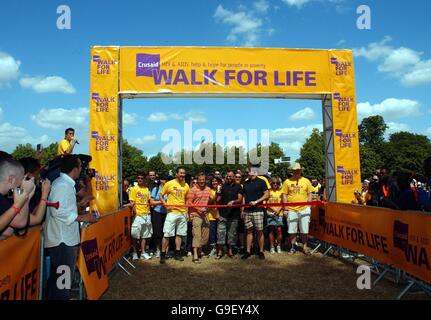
x: 290, y: 204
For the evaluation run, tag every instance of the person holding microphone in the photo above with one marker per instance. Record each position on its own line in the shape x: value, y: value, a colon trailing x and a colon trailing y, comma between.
x: 66, y: 145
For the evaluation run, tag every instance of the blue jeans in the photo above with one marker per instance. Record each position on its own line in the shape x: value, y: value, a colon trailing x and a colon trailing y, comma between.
x: 61, y: 255
x: 213, y: 233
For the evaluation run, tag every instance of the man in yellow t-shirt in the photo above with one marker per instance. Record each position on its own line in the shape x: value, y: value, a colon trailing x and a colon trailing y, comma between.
x: 297, y: 189
x: 66, y: 145
x: 176, y: 219
x: 142, y: 229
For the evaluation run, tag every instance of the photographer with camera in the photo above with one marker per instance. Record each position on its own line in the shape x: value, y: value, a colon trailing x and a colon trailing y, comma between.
x: 61, y: 231
x: 15, y: 192
x: 66, y: 145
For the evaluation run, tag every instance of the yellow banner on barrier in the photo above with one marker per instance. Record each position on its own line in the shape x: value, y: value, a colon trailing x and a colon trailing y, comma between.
x: 102, y: 244
x: 398, y: 238
x: 20, y: 267
x: 223, y: 70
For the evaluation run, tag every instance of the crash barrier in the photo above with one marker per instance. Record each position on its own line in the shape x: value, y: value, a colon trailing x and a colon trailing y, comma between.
x: 397, y: 242
x: 103, y: 246
x: 21, y: 265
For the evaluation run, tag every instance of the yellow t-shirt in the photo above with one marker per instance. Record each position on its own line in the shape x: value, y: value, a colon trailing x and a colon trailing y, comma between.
x: 177, y: 194
x: 63, y: 145
x: 212, y: 213
x: 297, y: 191
x: 141, y: 197
x: 275, y: 197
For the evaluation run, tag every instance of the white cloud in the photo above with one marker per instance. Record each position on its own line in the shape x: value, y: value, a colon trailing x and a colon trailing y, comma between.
x: 401, y: 63
x: 9, y: 68
x: 261, y: 6
x: 144, y: 140
x: 389, y: 109
x: 47, y: 84
x: 303, y: 114
x: 198, y: 117
x: 158, y: 117
x: 292, y: 139
x: 342, y: 42
x: 130, y: 118
x: 61, y: 118
x: 396, y: 127
x: 428, y: 132
x: 296, y: 3
x: 245, y: 25
x: 11, y: 136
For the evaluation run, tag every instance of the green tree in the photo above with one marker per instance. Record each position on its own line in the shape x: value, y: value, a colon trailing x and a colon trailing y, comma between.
x: 312, y: 156
x: 406, y: 151
x: 49, y: 153
x: 156, y: 163
x: 23, y: 150
x: 372, y: 131
x: 134, y: 161
x: 370, y: 160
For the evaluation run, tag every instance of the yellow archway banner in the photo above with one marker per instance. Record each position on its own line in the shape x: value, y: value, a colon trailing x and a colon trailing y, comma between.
x: 224, y: 71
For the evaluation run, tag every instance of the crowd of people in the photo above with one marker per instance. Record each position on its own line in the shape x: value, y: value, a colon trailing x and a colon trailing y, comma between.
x: 176, y: 216
x: 397, y: 190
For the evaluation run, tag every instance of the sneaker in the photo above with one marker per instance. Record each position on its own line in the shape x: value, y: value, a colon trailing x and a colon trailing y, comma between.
x: 246, y: 255
x: 178, y: 257
x: 272, y: 250
x: 189, y: 254
x: 213, y: 252
x: 157, y: 254
x: 135, y: 256
x: 145, y: 256
x: 262, y: 255
x: 278, y: 249
x: 292, y: 251
x: 162, y: 258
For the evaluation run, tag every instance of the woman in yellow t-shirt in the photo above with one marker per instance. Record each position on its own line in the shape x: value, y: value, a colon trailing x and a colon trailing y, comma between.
x: 212, y: 217
x: 275, y: 215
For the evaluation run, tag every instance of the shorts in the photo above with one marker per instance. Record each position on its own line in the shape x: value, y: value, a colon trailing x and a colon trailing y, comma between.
x: 299, y: 219
x: 276, y: 221
x: 227, y: 228
x: 254, y: 219
x: 175, y: 225
x: 142, y: 227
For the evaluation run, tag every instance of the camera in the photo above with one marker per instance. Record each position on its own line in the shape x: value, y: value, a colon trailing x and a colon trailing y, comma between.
x: 10, y: 192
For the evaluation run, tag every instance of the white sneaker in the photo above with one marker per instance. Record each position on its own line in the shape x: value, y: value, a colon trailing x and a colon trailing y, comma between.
x: 213, y: 252
x: 278, y: 249
x: 145, y: 256
x: 189, y: 254
x: 272, y: 251
x: 135, y: 256
x: 157, y: 254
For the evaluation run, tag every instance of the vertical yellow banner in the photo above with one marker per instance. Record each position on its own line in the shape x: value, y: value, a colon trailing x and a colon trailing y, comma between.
x: 345, y: 125
x: 104, y: 137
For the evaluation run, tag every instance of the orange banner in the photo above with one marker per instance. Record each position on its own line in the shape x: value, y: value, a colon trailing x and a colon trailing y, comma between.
x: 398, y: 238
x: 20, y: 267
x: 102, y: 244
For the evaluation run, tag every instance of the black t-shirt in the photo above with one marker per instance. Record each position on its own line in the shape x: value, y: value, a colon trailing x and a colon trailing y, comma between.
x: 5, y: 204
x: 254, y: 190
x: 229, y: 192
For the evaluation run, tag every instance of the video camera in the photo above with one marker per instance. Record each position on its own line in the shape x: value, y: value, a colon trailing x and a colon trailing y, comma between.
x: 53, y: 169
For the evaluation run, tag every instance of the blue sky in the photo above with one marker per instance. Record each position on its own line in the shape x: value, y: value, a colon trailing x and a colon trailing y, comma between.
x: 44, y: 71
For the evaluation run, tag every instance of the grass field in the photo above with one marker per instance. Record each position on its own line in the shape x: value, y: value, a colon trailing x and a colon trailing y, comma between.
x: 279, y: 276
